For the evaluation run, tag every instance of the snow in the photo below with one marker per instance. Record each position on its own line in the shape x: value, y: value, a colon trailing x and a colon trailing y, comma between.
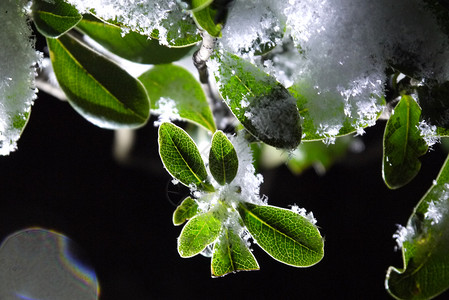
x: 166, y: 110
x: 246, y: 180
x: 428, y: 133
x: 302, y: 212
x: 143, y: 16
x: 438, y: 208
x: 18, y: 62
x: 341, y: 50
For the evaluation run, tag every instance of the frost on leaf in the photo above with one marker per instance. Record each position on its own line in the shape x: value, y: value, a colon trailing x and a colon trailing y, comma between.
x: 18, y: 60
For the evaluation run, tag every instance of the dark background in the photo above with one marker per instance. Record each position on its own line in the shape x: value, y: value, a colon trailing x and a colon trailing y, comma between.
x: 63, y: 177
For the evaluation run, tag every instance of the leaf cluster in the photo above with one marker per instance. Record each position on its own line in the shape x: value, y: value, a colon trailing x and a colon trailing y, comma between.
x: 218, y: 217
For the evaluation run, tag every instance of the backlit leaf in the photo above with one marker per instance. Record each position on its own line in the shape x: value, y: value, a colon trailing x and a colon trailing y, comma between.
x: 403, y: 144
x: 185, y: 211
x: 231, y: 254
x: 425, y: 244
x: 175, y: 91
x: 132, y: 46
x: 223, y: 161
x: 197, y: 234
x: 181, y: 156
x: 54, y: 18
x: 283, y: 234
x: 263, y: 106
x: 98, y: 89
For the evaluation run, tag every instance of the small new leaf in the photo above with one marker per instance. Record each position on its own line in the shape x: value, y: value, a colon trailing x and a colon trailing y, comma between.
x: 197, y: 234
x: 231, y: 254
x: 425, y: 246
x: 181, y: 157
x: 263, y: 106
x: 403, y: 144
x: 185, y: 211
x: 97, y: 88
x: 176, y: 87
x: 223, y: 161
x: 54, y: 18
x: 283, y: 234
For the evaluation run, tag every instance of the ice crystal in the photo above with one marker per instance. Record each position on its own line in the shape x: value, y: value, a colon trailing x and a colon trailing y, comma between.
x: 403, y: 234
x: 438, y: 208
x: 428, y: 133
x: 435, y: 217
x: 18, y: 61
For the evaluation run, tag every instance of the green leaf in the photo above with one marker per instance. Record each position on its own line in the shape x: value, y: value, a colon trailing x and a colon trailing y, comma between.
x: 425, y: 245
x: 205, y: 19
x: 329, y: 108
x: 185, y: 211
x: 223, y: 161
x: 403, y: 144
x: 173, y: 88
x: 283, y: 234
x: 133, y: 46
x: 98, y: 89
x: 197, y: 5
x: 263, y: 106
x: 54, y: 18
x: 197, y: 234
x: 231, y: 254
x: 181, y: 157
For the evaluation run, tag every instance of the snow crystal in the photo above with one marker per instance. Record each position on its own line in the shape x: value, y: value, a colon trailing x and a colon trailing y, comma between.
x: 438, y: 207
x: 403, y: 234
x: 428, y: 133
x: 18, y: 61
x: 143, y: 16
x: 435, y: 217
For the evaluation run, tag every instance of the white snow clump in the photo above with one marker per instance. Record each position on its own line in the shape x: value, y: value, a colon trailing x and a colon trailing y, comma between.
x: 18, y: 62
x: 342, y: 48
x: 143, y: 16
x: 166, y: 110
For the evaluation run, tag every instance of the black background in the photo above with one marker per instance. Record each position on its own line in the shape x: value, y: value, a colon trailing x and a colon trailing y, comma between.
x: 63, y: 177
